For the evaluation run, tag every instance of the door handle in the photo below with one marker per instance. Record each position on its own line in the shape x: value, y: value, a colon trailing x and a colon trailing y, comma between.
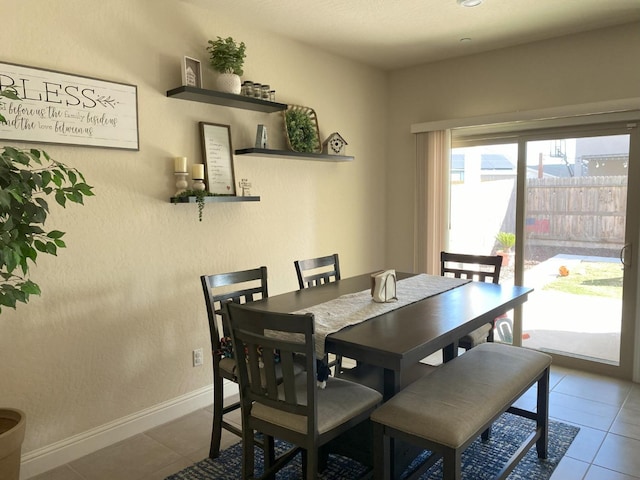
x: 623, y: 255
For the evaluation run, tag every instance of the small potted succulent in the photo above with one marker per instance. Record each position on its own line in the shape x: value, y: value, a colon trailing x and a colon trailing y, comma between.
x: 506, y: 240
x: 227, y: 58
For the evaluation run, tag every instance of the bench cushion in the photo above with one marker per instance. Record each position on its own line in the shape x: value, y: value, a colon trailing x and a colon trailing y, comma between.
x: 452, y: 404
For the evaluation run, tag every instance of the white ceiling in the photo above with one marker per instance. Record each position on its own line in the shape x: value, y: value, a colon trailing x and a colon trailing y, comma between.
x: 392, y: 34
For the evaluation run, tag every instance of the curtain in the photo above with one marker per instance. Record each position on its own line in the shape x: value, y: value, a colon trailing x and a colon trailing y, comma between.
x: 431, y: 222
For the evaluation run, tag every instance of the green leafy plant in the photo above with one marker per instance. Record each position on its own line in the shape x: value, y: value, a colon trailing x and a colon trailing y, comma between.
x: 199, y: 194
x: 226, y: 56
x: 26, y: 178
x: 506, y: 239
x: 302, y: 131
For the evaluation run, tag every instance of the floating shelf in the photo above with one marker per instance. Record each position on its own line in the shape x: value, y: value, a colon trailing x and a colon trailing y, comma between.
x: 215, y: 198
x: 321, y: 157
x: 225, y: 99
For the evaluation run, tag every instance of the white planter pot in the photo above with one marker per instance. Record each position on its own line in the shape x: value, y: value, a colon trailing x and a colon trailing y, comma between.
x: 12, y: 427
x: 229, y: 83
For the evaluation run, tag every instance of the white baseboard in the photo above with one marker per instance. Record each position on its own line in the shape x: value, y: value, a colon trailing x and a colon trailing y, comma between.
x: 65, y: 451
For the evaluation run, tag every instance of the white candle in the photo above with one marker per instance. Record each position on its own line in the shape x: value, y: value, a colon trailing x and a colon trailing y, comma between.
x: 180, y: 164
x: 197, y: 171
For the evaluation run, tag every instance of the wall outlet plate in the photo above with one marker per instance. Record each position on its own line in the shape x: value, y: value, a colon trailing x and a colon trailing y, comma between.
x: 198, y: 357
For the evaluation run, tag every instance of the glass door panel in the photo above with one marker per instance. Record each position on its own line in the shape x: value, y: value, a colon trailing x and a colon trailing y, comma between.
x: 574, y: 232
x: 483, y: 210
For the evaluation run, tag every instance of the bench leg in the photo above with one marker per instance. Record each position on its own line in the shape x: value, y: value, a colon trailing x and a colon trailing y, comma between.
x: 451, y: 464
x: 381, y: 453
x: 542, y: 414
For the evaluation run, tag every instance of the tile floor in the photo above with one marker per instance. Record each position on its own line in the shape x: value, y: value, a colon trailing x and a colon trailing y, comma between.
x: 607, y: 447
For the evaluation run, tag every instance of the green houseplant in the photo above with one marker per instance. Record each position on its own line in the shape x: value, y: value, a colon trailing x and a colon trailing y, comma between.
x: 226, y: 56
x: 199, y: 194
x: 27, y: 178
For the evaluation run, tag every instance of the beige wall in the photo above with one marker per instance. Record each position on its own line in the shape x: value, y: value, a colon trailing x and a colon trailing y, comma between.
x: 591, y: 67
x: 122, y: 308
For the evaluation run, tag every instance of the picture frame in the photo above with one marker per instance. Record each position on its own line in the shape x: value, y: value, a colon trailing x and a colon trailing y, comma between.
x: 217, y: 156
x: 191, y: 72
x: 68, y: 109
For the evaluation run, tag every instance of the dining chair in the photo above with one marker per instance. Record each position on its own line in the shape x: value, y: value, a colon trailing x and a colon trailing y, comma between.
x: 239, y: 287
x: 319, y: 271
x: 292, y: 409
x: 480, y: 268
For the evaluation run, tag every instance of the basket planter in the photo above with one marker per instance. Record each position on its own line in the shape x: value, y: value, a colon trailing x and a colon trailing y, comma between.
x: 302, y: 136
x: 12, y: 428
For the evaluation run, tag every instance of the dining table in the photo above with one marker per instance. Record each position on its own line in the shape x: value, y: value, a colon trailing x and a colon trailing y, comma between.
x: 397, y: 340
x: 389, y: 347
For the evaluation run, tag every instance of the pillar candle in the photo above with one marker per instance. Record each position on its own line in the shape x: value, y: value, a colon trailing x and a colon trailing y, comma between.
x: 197, y: 171
x: 180, y: 164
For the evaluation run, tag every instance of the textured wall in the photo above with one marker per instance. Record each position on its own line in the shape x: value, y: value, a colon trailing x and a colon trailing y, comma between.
x: 122, y: 307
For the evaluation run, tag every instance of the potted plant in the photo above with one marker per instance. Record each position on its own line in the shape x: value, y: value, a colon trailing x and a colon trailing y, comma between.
x: 27, y: 177
x: 12, y: 428
x: 199, y: 194
x: 227, y: 58
x: 506, y: 240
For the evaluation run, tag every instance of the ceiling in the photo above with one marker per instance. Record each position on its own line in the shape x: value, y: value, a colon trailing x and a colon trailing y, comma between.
x: 391, y: 34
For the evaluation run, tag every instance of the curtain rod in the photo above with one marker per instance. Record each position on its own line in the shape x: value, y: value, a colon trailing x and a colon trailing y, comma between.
x: 568, y: 113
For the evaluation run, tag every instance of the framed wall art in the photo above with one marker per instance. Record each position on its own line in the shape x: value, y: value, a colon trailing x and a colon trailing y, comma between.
x: 57, y: 107
x: 218, y: 158
x: 191, y: 72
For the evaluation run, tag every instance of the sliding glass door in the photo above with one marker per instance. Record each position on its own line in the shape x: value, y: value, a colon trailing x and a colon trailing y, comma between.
x: 564, y: 196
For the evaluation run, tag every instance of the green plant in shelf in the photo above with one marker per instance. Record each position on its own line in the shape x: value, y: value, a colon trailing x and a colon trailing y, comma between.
x: 27, y: 177
x: 301, y: 131
x: 200, y: 196
x: 226, y: 56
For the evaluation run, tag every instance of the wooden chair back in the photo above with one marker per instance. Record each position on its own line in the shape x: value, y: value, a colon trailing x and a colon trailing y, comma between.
x: 266, y: 361
x: 480, y: 268
x: 239, y: 287
x: 317, y: 271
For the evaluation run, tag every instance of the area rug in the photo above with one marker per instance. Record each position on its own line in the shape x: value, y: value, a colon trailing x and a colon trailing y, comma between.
x: 480, y: 461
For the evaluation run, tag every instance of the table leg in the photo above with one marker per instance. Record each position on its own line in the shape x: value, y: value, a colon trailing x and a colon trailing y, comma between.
x: 450, y: 351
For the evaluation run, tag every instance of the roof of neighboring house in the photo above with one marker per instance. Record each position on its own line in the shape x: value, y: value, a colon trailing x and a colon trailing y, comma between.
x: 488, y: 161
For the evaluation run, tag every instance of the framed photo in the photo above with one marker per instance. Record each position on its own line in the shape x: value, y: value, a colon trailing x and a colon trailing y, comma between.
x: 191, y: 72
x: 218, y: 158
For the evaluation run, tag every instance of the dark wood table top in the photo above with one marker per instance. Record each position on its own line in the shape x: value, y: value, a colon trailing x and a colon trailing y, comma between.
x: 410, y: 333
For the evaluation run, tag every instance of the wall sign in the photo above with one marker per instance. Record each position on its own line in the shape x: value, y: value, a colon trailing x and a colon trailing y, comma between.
x: 218, y: 159
x: 69, y: 109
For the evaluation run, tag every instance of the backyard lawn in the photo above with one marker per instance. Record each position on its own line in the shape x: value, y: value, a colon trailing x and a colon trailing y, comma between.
x: 600, y: 279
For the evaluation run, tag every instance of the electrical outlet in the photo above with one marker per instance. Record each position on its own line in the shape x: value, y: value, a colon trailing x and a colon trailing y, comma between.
x: 198, y: 358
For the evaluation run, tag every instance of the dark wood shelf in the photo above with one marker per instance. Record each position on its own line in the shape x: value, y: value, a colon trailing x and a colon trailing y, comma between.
x: 215, y: 198
x: 320, y: 157
x: 225, y: 99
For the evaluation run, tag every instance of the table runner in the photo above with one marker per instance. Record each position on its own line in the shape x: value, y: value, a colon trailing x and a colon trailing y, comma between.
x: 355, y: 308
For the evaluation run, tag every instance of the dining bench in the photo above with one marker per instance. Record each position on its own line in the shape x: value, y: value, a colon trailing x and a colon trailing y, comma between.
x: 437, y: 414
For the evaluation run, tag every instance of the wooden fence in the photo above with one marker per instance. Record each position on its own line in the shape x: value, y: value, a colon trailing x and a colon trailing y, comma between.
x: 579, y: 211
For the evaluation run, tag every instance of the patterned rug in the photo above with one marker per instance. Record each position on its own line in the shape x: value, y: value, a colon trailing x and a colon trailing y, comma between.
x: 480, y: 461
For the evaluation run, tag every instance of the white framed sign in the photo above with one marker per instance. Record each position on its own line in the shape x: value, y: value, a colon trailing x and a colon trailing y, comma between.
x: 68, y: 109
x: 191, y: 72
x: 218, y: 158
